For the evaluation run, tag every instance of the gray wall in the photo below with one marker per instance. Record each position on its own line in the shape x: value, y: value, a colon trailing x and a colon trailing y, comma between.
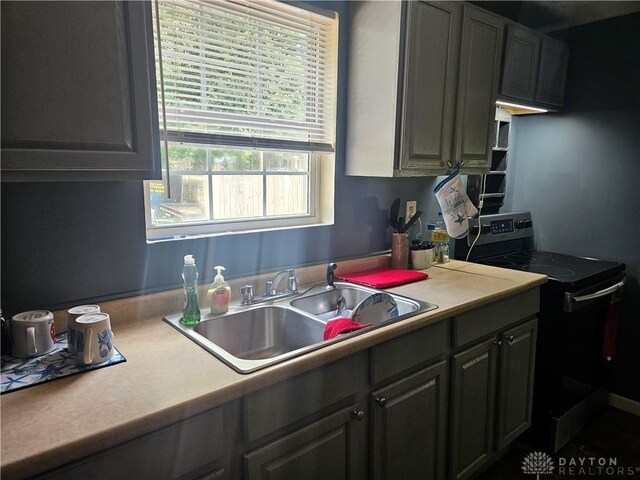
x: 578, y: 171
x: 70, y: 243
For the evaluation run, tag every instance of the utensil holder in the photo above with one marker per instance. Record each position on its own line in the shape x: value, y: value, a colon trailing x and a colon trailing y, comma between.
x: 400, y: 251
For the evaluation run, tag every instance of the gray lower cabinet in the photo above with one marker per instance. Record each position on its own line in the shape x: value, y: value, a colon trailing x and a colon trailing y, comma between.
x: 194, y: 449
x: 332, y: 447
x: 492, y: 390
x: 438, y: 402
x: 515, y: 385
x: 409, y: 426
x: 78, y: 91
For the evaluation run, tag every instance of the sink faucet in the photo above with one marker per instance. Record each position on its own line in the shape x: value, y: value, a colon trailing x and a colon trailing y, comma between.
x: 271, y: 290
x: 330, y: 275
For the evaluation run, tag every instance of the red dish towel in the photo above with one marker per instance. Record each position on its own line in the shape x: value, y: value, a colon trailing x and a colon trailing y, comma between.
x: 341, y: 325
x: 384, y: 277
x: 611, y: 328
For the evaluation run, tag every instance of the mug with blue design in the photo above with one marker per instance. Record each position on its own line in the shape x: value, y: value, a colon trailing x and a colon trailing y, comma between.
x: 93, y: 339
x: 72, y: 314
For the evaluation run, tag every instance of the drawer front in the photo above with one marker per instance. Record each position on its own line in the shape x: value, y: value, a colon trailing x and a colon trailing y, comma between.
x: 171, y: 452
x: 283, y: 404
x: 494, y: 317
x: 411, y: 350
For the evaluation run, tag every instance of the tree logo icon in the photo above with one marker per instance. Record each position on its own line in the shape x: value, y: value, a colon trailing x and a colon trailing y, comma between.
x: 537, y: 463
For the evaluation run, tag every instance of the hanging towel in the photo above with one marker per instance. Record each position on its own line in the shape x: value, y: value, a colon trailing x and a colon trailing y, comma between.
x: 337, y: 326
x: 611, y: 327
x: 455, y: 205
x: 384, y: 277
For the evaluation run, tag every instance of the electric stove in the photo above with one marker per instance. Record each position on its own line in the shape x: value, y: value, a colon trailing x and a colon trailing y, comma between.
x: 577, y: 323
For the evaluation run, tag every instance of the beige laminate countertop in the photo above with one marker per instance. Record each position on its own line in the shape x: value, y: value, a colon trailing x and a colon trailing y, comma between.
x: 168, y: 378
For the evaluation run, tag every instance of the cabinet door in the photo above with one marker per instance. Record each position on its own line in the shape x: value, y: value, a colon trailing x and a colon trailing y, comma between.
x: 473, y: 415
x: 552, y: 74
x: 78, y: 91
x: 515, y: 391
x: 480, y: 61
x: 409, y: 426
x: 333, y: 447
x: 520, y: 69
x: 431, y: 63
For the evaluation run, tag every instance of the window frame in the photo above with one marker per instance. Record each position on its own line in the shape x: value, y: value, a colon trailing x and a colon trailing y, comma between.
x: 321, y: 173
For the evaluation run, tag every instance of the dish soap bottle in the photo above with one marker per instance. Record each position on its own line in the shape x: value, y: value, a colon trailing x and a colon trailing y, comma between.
x: 191, y: 310
x: 219, y: 293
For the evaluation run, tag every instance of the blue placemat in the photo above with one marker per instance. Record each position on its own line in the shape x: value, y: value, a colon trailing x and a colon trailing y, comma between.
x: 19, y: 373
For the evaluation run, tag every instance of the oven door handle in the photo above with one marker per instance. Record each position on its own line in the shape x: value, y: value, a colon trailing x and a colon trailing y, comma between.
x: 570, y: 300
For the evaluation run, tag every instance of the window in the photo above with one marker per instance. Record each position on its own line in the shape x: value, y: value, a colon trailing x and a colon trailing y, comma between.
x: 247, y: 102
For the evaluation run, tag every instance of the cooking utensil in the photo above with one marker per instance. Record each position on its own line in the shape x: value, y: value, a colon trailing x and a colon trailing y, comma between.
x: 393, y: 213
x: 410, y: 223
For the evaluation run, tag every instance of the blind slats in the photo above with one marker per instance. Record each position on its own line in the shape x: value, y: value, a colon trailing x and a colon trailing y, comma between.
x: 258, y: 69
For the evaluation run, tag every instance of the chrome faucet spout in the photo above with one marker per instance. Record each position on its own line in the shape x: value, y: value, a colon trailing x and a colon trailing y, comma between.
x: 292, y: 282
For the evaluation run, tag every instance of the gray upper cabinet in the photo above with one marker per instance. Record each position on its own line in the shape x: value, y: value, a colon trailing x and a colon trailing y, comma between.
x: 520, y: 71
x: 78, y: 91
x: 535, y: 68
x: 423, y: 80
x: 480, y: 63
x: 552, y: 75
x: 433, y: 33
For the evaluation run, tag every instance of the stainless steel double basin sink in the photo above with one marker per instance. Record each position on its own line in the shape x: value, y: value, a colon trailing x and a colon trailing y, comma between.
x: 253, y: 337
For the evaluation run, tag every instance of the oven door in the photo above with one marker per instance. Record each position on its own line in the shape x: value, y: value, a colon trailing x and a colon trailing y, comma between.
x: 594, y: 293
x: 571, y: 370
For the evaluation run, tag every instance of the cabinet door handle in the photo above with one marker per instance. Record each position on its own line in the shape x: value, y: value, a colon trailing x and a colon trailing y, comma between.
x: 497, y: 342
x: 509, y: 338
x: 381, y: 401
x: 358, y: 415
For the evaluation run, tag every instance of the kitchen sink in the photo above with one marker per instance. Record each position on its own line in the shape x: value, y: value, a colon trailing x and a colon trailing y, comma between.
x: 325, y: 304
x: 253, y: 337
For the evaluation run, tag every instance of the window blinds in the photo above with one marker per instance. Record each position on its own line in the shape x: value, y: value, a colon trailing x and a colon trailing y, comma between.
x: 258, y: 73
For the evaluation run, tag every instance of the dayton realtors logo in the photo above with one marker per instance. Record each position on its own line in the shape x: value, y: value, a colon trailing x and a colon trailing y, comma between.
x: 539, y: 463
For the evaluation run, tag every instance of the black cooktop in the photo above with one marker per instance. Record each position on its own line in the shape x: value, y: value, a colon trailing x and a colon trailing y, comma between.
x: 565, y: 270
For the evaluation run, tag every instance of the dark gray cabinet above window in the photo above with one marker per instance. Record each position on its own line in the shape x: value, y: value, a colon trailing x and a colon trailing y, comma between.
x: 423, y: 81
x: 78, y: 91
x: 535, y: 68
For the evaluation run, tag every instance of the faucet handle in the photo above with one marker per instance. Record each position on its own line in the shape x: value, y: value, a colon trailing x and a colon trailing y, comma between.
x: 247, y: 294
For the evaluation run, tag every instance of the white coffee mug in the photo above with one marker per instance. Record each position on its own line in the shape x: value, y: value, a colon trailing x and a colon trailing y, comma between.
x: 93, y: 339
x: 72, y: 314
x: 421, y: 259
x: 33, y: 333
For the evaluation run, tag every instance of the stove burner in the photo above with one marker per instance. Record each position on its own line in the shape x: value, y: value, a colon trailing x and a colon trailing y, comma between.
x: 549, y: 270
x: 499, y: 262
x: 520, y: 258
x: 572, y: 261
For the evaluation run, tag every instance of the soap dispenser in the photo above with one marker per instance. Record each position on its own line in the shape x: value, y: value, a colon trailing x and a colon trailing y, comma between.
x: 219, y: 293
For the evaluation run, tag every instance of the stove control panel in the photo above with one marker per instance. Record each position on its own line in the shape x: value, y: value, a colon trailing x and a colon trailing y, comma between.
x: 500, y: 227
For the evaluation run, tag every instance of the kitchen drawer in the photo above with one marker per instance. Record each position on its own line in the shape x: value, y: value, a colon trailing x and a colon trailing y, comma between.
x: 285, y: 403
x: 495, y: 316
x: 171, y: 452
x: 411, y: 350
